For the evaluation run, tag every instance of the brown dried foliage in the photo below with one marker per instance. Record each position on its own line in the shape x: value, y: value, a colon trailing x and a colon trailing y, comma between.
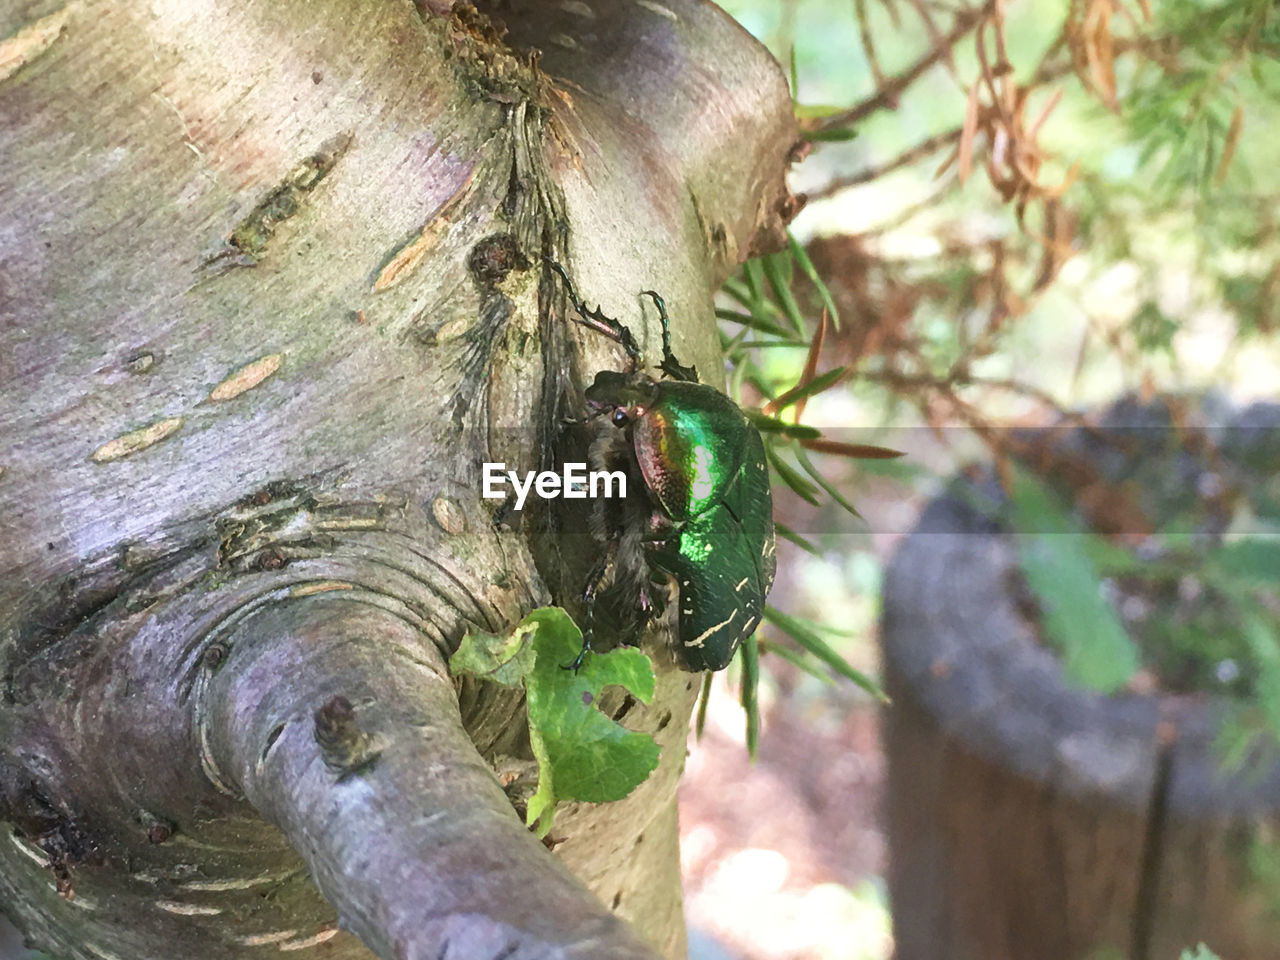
x: 999, y: 277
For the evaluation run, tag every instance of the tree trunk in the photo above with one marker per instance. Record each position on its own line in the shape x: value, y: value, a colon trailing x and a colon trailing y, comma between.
x: 1029, y: 818
x: 271, y: 290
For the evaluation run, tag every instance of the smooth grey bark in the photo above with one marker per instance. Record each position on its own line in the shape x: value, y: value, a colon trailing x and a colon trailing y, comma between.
x: 270, y: 291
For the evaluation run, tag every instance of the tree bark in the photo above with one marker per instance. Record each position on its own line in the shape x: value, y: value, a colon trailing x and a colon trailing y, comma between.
x: 271, y: 289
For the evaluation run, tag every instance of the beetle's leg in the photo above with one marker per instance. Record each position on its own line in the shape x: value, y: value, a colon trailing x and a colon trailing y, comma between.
x: 597, y: 577
x: 596, y: 319
x: 670, y: 366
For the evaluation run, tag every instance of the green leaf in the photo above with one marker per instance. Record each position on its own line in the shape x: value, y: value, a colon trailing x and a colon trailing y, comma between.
x: 795, y: 431
x: 738, y: 290
x: 1254, y: 559
x: 1264, y: 645
x: 1235, y: 740
x: 834, y: 135
x: 796, y: 658
x: 806, y: 265
x: 504, y: 659
x: 803, y: 459
x: 757, y: 322
x: 1095, y: 648
x: 1113, y: 560
x: 1152, y: 330
x: 806, y: 635
x: 704, y: 698
x: 582, y: 753
x: 791, y: 477
x: 753, y: 274
x: 736, y: 379
x: 816, y: 111
x: 777, y: 270
x: 750, y: 655
x: 1201, y: 952
x: 815, y: 386
x: 786, y: 533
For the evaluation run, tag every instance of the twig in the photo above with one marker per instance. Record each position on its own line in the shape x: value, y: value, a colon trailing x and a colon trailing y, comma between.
x: 887, y: 94
x: 868, y: 45
x: 905, y: 159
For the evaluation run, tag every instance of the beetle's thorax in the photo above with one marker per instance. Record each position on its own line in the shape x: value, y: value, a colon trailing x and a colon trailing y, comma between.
x: 634, y: 392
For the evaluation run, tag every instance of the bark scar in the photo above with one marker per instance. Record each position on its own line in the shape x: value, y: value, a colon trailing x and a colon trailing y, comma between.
x: 32, y: 40
x: 248, y: 241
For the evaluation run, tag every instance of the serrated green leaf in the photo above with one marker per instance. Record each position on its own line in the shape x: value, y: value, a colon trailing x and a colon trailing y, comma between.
x: 582, y: 753
x: 1095, y: 649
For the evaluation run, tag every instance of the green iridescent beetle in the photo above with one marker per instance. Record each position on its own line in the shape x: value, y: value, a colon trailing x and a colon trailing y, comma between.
x: 702, y: 536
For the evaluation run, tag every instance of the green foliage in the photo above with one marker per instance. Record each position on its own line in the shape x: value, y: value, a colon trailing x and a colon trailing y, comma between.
x: 1262, y: 858
x: 750, y: 657
x: 806, y: 636
x: 1201, y: 952
x: 768, y: 316
x: 1169, y: 123
x: 582, y: 754
x: 1251, y: 560
x: 1222, y: 638
x: 1094, y: 646
x: 1190, y: 120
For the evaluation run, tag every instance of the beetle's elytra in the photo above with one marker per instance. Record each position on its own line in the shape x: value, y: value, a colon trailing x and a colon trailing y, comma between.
x: 703, y: 536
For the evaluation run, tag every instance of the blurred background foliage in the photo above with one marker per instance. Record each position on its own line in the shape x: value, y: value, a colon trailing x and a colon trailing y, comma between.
x: 1025, y: 220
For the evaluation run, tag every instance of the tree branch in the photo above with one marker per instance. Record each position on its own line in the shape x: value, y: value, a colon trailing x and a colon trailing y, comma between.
x: 887, y: 94
x: 410, y: 836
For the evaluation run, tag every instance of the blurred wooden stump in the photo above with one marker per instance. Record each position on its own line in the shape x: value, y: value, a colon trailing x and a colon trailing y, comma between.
x: 1029, y: 820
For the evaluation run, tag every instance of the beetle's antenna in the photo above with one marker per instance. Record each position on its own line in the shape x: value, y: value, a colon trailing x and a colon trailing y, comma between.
x: 596, y: 319
x: 670, y: 366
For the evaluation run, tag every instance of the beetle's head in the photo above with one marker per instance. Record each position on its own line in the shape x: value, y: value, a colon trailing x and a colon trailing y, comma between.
x: 622, y: 397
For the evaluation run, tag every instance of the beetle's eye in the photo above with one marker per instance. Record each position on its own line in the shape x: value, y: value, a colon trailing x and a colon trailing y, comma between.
x: 620, y: 417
